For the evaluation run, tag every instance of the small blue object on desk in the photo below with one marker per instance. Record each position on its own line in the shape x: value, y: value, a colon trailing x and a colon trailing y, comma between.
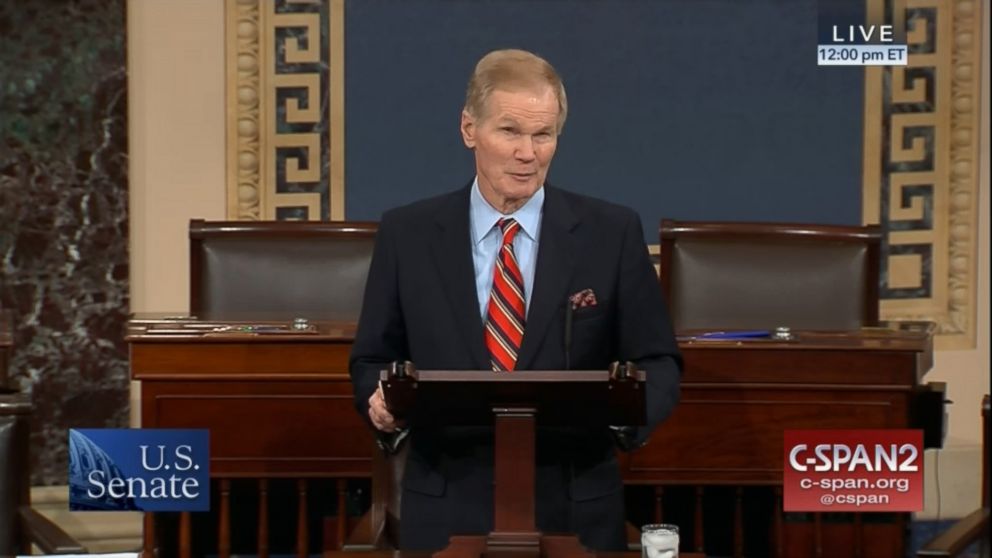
x: 739, y: 334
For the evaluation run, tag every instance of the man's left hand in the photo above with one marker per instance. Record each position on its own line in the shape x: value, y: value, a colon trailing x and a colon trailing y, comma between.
x: 381, y: 418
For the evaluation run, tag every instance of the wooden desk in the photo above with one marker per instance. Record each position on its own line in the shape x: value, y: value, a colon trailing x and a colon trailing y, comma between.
x: 279, y: 405
x: 738, y: 397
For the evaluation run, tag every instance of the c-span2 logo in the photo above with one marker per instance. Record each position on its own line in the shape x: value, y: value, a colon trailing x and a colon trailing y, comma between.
x: 139, y: 469
x: 853, y: 471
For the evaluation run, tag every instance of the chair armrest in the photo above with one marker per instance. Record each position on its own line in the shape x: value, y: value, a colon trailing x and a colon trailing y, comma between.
x: 959, y: 536
x: 49, y: 537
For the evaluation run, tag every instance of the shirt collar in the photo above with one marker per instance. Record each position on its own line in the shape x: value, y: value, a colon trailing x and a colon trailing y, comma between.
x: 484, y: 216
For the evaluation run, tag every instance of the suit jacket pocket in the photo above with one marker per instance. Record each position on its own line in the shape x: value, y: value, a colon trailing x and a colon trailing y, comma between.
x: 595, y: 481
x: 588, y: 313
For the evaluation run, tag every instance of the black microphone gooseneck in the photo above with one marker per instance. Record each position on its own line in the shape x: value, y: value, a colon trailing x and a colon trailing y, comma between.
x: 568, y: 334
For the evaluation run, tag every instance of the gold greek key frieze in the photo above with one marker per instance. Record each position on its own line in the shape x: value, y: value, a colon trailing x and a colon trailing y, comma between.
x: 294, y: 52
x: 285, y: 109
x: 921, y: 166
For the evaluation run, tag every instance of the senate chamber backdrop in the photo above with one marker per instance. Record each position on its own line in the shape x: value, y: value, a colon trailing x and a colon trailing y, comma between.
x: 120, y: 121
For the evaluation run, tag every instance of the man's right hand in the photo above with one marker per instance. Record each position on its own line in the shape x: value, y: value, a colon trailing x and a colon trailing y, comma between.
x: 381, y: 418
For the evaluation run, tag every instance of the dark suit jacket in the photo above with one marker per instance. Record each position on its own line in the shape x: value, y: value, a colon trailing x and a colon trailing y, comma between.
x: 421, y: 305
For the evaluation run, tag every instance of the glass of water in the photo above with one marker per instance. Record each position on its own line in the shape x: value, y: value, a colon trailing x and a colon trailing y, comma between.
x: 660, y: 540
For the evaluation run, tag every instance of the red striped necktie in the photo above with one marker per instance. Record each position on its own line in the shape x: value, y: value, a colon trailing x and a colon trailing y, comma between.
x: 506, y: 311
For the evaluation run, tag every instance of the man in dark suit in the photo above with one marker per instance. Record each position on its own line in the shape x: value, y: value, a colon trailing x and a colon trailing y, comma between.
x: 485, y: 278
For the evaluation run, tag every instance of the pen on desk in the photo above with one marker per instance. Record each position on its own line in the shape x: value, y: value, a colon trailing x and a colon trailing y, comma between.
x: 731, y: 335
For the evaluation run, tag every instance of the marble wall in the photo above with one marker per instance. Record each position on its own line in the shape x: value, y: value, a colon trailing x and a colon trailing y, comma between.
x: 63, y: 215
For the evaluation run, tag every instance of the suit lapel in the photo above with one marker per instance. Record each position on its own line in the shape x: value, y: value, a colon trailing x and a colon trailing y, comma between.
x: 452, y: 253
x: 555, y: 264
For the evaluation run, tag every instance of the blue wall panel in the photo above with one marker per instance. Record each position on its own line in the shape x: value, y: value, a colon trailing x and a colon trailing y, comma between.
x: 704, y: 109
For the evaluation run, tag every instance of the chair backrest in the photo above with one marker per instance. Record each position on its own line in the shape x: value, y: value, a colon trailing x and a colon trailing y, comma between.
x: 278, y: 269
x: 768, y: 275
x: 15, y: 483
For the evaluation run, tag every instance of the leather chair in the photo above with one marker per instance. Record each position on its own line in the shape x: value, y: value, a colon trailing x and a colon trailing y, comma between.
x: 279, y: 270
x: 20, y: 525
x: 766, y: 275
x: 973, y: 528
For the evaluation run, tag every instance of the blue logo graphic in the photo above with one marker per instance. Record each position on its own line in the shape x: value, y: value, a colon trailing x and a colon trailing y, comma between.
x: 139, y: 469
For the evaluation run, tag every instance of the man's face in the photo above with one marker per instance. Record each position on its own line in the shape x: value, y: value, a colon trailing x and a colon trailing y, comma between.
x: 514, y: 141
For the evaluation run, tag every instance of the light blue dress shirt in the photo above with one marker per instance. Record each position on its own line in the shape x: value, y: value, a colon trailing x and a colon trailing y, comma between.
x: 487, y: 238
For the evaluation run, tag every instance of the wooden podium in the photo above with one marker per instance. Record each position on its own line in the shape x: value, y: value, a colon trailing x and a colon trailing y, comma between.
x: 514, y: 402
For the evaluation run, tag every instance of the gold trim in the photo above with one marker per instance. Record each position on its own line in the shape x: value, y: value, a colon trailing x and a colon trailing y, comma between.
x: 336, y: 30
x: 305, y: 199
x: 252, y: 84
x: 954, y: 124
x: 310, y: 82
x: 294, y: 169
x: 244, y: 97
x: 295, y: 54
x: 966, y: 58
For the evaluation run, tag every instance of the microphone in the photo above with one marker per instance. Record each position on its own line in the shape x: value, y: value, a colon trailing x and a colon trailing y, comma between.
x: 568, y: 333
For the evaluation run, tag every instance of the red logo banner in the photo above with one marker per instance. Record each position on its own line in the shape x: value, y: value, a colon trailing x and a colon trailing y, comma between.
x: 853, y: 471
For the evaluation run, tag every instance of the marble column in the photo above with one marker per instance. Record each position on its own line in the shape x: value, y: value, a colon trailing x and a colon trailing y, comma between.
x: 63, y: 216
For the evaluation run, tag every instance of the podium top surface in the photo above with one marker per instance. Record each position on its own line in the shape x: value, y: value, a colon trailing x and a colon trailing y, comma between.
x: 518, y: 376
x: 557, y: 397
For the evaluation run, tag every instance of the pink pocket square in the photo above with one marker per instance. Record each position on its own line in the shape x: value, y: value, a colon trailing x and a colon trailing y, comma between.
x: 583, y: 298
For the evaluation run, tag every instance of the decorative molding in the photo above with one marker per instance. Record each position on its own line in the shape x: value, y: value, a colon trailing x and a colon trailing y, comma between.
x: 243, y: 20
x: 336, y: 127
x: 285, y: 81
x: 921, y: 158
x: 294, y: 112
